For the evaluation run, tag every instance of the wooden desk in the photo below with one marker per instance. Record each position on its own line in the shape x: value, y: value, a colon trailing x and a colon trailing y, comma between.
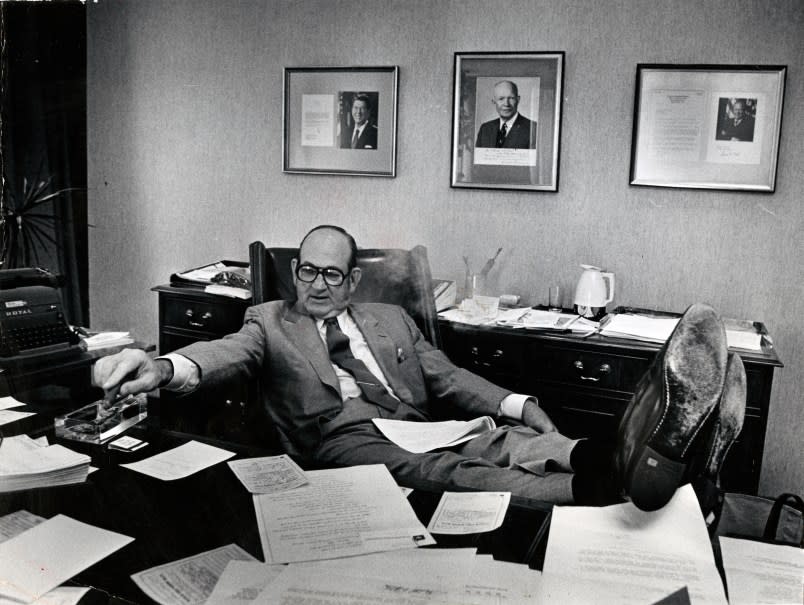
x: 170, y: 520
x: 71, y: 371
x: 584, y: 384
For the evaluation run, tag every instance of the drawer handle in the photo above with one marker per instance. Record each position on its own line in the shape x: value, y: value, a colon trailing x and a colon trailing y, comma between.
x: 197, y: 324
x: 604, y: 368
x: 496, y: 355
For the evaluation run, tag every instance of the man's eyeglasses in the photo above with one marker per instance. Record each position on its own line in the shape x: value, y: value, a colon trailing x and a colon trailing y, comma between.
x: 331, y: 275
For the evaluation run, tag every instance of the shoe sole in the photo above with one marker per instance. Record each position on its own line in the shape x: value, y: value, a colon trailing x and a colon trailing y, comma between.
x: 693, y: 372
x: 731, y: 416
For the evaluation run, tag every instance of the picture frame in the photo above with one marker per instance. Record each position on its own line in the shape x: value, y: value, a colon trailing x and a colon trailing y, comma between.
x: 526, y: 156
x: 321, y: 109
x: 707, y: 126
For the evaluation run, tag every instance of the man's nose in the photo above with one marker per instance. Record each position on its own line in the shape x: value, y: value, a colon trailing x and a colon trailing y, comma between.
x: 319, y: 282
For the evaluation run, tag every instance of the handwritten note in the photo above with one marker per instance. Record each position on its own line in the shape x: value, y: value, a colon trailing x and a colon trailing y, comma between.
x: 268, y: 474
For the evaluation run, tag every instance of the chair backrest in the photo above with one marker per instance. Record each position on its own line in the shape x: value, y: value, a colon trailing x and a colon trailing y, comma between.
x: 400, y: 277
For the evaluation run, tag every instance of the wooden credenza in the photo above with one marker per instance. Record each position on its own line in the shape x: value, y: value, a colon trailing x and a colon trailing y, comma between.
x: 584, y: 384
x: 188, y: 315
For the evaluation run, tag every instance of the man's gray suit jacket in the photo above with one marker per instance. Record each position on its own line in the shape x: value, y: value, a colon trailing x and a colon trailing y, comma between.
x: 280, y: 346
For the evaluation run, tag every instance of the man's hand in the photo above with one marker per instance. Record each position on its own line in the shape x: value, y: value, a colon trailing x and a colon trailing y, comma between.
x: 536, y: 418
x: 129, y: 372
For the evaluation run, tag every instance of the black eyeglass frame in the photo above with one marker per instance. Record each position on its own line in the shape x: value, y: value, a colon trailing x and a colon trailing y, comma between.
x: 321, y: 271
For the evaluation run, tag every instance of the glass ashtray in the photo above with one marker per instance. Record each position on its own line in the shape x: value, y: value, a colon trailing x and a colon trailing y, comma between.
x: 95, y: 424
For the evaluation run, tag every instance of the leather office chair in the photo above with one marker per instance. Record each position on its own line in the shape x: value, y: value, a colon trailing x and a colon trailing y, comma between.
x: 400, y: 277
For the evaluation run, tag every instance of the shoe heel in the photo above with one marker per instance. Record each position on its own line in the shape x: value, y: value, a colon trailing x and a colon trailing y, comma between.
x: 654, y: 480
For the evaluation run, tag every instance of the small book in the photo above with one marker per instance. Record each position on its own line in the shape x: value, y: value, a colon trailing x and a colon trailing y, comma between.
x: 445, y: 293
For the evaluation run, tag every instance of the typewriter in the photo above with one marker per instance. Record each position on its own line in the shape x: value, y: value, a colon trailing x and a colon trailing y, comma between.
x: 32, y: 323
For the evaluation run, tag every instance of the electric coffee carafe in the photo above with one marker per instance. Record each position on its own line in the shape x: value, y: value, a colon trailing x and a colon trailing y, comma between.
x: 592, y: 294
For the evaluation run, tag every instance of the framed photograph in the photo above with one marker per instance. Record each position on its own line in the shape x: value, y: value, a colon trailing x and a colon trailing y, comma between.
x: 340, y: 120
x: 707, y: 126
x: 506, y: 120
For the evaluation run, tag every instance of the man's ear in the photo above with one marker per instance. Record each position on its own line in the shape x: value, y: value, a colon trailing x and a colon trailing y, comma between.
x: 354, y: 278
x: 293, y: 264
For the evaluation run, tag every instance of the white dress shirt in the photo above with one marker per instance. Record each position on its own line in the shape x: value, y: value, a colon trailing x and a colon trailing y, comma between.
x: 509, y: 123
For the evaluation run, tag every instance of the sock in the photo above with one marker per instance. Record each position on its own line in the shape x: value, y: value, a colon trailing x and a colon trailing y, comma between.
x: 593, y: 455
x: 595, y: 489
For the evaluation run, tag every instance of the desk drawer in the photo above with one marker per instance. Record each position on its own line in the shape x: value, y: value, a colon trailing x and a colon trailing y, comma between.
x: 588, y: 368
x: 202, y: 316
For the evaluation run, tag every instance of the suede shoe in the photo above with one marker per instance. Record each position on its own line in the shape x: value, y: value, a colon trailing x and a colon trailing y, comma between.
x: 672, y: 402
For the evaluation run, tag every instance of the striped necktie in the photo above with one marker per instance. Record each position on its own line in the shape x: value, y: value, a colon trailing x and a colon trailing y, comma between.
x: 341, y: 355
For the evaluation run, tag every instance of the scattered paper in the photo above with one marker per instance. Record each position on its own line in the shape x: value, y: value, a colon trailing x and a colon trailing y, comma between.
x: 39, y: 559
x: 7, y: 416
x: 231, y: 291
x: 17, y: 522
x: 504, y: 582
x: 458, y: 315
x: 298, y: 586
x: 204, y: 274
x: 421, y: 437
x: 127, y: 443
x: 341, y: 512
x: 62, y: 595
x: 242, y: 582
x: 441, y: 566
x: 620, y: 554
x: 9, y: 402
x: 181, y: 461
x: 268, y: 474
x: 188, y: 581
x: 469, y: 512
x: 751, y: 341
x: 759, y: 573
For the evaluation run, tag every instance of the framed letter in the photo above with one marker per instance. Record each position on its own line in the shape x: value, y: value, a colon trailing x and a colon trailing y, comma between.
x: 707, y: 126
x: 340, y: 120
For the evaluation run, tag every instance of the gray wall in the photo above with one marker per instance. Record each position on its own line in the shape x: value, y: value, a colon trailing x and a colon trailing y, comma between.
x: 185, y: 151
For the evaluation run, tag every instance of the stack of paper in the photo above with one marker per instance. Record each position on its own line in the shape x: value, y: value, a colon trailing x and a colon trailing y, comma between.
x: 640, y: 327
x: 25, y: 464
x: 103, y: 340
x: 658, y: 329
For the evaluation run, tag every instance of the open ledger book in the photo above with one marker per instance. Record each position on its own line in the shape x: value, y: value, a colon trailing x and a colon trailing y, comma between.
x: 419, y: 437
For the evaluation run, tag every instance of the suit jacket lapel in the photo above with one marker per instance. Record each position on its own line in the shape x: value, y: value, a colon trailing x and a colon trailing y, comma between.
x: 309, y: 342
x: 383, y: 348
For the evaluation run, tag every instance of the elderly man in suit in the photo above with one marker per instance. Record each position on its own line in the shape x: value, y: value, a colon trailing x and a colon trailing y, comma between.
x: 364, y: 133
x: 328, y: 366
x: 738, y: 127
x: 511, y: 130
